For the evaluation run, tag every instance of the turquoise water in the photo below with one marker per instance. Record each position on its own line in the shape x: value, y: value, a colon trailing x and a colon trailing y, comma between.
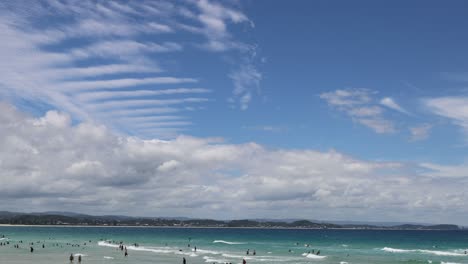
x: 170, y: 245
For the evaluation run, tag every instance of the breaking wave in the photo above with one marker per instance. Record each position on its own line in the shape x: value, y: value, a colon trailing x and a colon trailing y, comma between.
x: 228, y: 242
x: 424, y: 251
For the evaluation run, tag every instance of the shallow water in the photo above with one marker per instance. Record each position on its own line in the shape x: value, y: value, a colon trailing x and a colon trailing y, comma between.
x: 170, y: 245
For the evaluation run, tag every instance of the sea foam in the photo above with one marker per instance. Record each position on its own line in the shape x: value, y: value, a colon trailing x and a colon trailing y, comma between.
x: 425, y: 251
x: 313, y: 256
x: 107, y: 244
x: 228, y: 242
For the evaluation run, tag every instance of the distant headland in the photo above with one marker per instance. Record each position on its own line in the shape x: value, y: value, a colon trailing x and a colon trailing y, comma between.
x: 74, y: 219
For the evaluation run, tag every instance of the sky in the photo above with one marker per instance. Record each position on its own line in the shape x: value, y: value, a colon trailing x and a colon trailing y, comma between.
x: 331, y: 110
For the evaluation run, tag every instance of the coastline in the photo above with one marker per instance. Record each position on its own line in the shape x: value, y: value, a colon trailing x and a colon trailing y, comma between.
x: 224, y: 227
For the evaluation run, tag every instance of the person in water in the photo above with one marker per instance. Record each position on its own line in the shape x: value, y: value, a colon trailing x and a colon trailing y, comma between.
x: 71, y: 258
x: 247, y: 251
x: 32, y: 249
x: 126, y: 253
x: 184, y: 261
x: 79, y: 259
x: 254, y: 253
x: 243, y: 261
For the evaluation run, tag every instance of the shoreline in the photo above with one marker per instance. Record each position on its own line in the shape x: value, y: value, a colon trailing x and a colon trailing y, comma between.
x: 214, y: 227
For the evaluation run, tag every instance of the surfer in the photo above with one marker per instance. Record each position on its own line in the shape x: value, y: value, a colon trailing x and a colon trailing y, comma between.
x: 318, y: 252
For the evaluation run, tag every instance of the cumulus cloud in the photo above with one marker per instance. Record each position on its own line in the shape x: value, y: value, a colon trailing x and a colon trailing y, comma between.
x: 360, y: 105
x: 49, y: 163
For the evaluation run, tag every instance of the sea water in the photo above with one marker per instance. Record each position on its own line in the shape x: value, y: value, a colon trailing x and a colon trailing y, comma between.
x: 223, y: 245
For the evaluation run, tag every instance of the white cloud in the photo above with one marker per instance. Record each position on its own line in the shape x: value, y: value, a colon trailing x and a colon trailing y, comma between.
x: 360, y: 105
x: 100, y: 95
x: 96, y: 171
x: 390, y: 103
x: 108, y: 46
x: 445, y: 171
x: 124, y: 49
x: 109, y: 69
x: 119, y: 83
x: 213, y: 17
x: 453, y: 108
x: 141, y: 103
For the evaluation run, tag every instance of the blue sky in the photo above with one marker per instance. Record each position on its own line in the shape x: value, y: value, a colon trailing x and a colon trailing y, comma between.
x: 379, y: 85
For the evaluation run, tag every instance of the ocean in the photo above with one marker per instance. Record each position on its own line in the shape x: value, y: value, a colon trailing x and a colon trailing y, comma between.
x: 222, y: 245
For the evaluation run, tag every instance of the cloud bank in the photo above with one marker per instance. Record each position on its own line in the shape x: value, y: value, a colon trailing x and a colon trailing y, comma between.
x: 49, y: 163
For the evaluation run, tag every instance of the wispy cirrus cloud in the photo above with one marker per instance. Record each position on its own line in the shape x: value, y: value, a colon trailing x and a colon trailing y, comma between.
x: 73, y: 54
x: 361, y: 106
x: 102, y: 95
x: 245, y: 79
x: 454, y: 108
x: 390, y: 103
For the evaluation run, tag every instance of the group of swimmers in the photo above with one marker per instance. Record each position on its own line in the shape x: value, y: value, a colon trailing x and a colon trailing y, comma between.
x: 122, y: 248
x: 310, y: 251
x: 253, y: 253
x: 42, y: 245
x: 72, y: 258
